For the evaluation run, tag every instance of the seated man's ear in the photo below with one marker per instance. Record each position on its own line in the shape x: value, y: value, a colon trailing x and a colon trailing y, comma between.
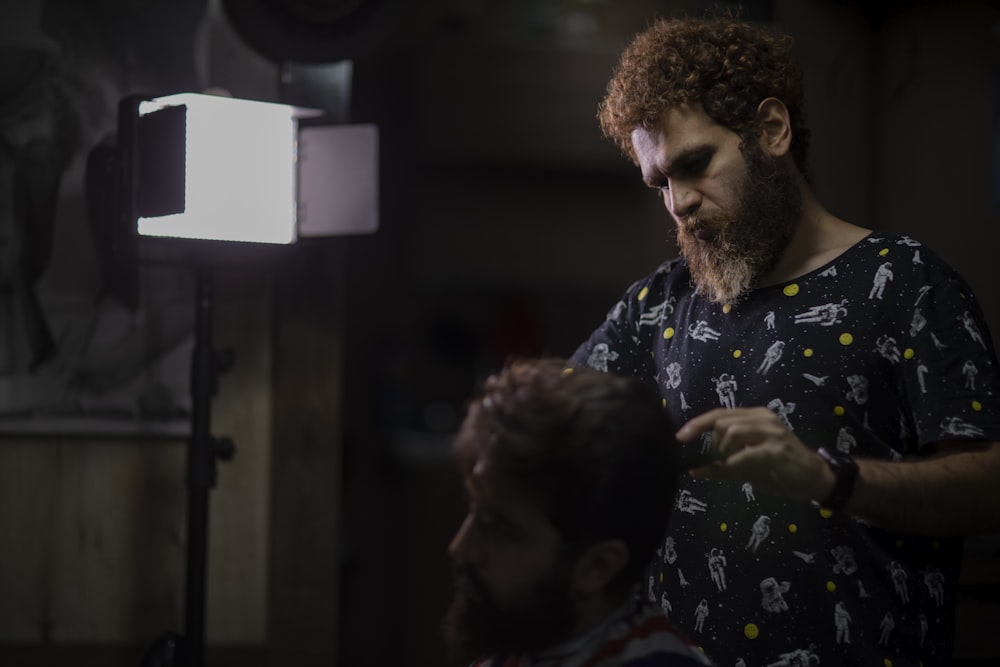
x: 776, y: 127
x: 598, y: 566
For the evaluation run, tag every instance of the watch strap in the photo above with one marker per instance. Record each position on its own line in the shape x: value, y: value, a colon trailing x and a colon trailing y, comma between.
x: 845, y: 469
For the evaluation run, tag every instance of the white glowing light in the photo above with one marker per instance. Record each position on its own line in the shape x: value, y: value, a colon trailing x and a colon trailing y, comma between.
x: 240, y: 171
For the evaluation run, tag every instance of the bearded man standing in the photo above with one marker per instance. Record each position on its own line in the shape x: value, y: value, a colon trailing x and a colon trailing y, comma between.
x: 841, y: 350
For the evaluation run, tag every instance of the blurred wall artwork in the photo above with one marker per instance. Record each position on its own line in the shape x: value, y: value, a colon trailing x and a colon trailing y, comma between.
x: 83, y: 351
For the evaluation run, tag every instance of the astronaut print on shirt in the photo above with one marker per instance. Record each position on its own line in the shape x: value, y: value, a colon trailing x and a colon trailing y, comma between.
x: 879, y: 353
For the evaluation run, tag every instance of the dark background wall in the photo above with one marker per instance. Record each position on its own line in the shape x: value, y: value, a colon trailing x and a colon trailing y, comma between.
x: 507, y: 227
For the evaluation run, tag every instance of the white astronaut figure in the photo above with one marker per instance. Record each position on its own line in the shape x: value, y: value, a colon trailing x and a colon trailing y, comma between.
x: 899, y: 578
x: 916, y: 257
x: 684, y: 583
x: 702, y: 332
x: 673, y: 375
x: 740, y: 662
x: 882, y: 276
x: 886, y: 346
x: 688, y: 503
x: 921, y: 373
x: 842, y: 620
x: 669, y: 551
x: 699, y: 616
x: 747, y: 489
x: 772, y: 595
x: 826, y: 315
x: 846, y: 440
x: 970, y: 325
x: 600, y: 356
x: 655, y: 315
x: 887, y: 626
x: 649, y: 590
x: 769, y: 320
x: 955, y: 426
x: 665, y: 604
x: 782, y: 409
x: 716, y: 567
x: 800, y: 657
x: 846, y: 564
x: 771, y: 357
x: 937, y: 342
x: 970, y: 371
x: 934, y: 581
x: 725, y: 387
x: 761, y: 529
x: 923, y: 629
x: 806, y: 557
x: 917, y: 323
x: 859, y: 389
x: 862, y: 593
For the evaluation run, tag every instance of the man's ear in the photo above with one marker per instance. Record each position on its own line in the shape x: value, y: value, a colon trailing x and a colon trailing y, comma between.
x: 599, y: 564
x: 775, y: 127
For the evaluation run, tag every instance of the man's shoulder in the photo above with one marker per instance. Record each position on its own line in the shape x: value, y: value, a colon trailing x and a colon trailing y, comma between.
x: 649, y: 640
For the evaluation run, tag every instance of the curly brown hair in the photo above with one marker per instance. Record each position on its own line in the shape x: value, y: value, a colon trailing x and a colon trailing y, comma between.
x: 595, y: 449
x: 725, y: 66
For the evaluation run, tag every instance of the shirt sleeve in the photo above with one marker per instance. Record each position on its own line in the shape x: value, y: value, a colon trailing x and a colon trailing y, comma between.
x: 951, y: 380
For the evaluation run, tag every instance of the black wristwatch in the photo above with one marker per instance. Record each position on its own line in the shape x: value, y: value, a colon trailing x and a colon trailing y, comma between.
x: 846, y: 471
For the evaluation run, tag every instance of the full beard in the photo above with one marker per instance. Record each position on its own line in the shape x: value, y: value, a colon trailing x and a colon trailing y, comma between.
x: 476, y: 626
x: 740, y: 250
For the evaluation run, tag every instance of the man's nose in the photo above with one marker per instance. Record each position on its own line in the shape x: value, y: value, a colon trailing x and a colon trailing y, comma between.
x: 682, y: 200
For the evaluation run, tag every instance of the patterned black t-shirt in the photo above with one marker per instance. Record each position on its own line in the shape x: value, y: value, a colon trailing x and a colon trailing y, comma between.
x: 879, y: 353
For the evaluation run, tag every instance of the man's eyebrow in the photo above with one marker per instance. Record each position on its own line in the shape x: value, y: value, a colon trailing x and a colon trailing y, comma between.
x: 688, y: 159
x: 685, y: 163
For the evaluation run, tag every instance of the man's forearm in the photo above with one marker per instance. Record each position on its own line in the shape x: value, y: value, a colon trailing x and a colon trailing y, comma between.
x: 956, y: 492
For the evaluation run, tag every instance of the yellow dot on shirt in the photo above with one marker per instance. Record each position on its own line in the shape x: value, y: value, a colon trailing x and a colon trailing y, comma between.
x: 846, y: 339
x: 723, y: 526
x: 808, y: 352
x: 887, y: 662
x: 668, y: 333
x: 661, y: 577
x: 830, y: 586
x: 883, y: 252
x: 792, y: 528
x: 791, y: 290
x: 751, y: 631
x: 908, y: 353
x: 838, y: 410
x: 567, y: 371
x: 664, y: 402
x: 737, y: 354
x: 825, y: 513
x: 977, y: 406
x: 726, y: 308
x: 642, y: 293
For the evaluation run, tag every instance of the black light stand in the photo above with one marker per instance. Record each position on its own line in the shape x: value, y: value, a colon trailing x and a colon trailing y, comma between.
x: 204, y: 451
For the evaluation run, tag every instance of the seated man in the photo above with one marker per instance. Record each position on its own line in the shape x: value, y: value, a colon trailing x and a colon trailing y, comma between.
x: 571, y: 476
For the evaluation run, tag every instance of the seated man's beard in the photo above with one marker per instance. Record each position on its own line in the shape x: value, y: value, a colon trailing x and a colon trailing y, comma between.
x: 476, y: 627
x: 745, y: 247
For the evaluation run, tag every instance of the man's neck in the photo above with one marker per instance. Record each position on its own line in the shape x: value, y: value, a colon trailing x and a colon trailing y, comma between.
x: 820, y: 238
x: 594, y: 617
